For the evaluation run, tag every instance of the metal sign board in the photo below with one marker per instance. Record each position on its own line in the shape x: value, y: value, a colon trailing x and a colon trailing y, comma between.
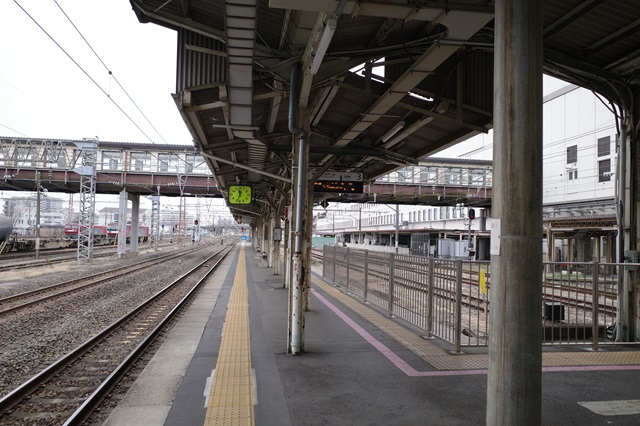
x: 334, y: 186
x: 341, y: 177
x: 339, y: 182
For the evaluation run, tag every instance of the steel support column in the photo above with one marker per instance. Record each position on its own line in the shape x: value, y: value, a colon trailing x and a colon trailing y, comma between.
x: 288, y: 238
x: 38, y: 190
x: 301, y: 149
x: 87, y: 172
x: 272, y: 243
x: 154, y: 231
x: 515, y: 342
x: 279, y: 235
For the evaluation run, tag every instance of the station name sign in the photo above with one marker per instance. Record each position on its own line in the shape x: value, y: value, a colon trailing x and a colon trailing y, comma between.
x: 350, y: 183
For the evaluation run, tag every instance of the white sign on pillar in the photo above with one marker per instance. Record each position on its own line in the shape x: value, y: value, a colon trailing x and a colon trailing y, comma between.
x: 495, y: 237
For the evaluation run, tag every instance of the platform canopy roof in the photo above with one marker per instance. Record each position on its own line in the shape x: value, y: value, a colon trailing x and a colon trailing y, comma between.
x: 382, y: 83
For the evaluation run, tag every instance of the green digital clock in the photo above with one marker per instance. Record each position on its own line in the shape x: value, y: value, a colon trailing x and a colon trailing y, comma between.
x: 240, y: 194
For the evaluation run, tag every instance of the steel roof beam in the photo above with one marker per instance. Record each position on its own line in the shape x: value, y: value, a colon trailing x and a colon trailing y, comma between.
x: 409, y: 10
x: 245, y: 167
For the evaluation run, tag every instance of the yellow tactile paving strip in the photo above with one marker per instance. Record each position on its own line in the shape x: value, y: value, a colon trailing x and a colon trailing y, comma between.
x: 443, y: 360
x: 231, y: 397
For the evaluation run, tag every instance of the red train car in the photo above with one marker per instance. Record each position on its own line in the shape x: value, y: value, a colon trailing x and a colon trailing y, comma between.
x: 143, y: 232
x: 99, y: 233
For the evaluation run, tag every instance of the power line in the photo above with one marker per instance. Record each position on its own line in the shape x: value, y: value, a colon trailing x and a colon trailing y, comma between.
x: 36, y: 101
x: 13, y: 130
x: 108, y: 70
x: 82, y: 69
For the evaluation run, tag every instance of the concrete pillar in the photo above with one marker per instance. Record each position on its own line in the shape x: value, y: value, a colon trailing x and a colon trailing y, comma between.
x: 135, y: 221
x: 122, y: 224
x: 515, y: 342
x: 550, y: 248
x: 570, y: 250
x: 580, y: 252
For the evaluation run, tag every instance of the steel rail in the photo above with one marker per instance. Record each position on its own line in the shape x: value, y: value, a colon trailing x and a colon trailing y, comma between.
x: 100, y: 278
x: 13, y: 398
x: 84, y: 411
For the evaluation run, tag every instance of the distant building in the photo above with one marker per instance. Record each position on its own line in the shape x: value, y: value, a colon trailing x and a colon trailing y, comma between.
x: 23, y: 212
x: 579, y: 173
x: 107, y: 215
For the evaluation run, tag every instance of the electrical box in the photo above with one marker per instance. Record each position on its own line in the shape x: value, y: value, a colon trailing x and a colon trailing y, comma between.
x: 445, y: 248
x: 631, y: 256
x: 554, y: 311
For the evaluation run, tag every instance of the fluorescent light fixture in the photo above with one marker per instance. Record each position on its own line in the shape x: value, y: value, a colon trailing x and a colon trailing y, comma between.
x: 235, y: 127
x: 424, y: 98
x: 325, y: 41
x: 391, y: 133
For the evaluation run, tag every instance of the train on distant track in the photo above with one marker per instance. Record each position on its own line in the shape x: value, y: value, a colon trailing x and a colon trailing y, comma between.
x: 102, y: 235
x: 106, y: 234
x: 6, y: 226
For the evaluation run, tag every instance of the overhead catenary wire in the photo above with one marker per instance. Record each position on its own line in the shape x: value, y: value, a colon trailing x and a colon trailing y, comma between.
x: 13, y: 130
x: 109, y: 71
x: 83, y: 70
x: 36, y: 101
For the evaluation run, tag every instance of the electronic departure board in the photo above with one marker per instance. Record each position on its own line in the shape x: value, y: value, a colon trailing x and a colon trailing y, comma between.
x: 350, y: 183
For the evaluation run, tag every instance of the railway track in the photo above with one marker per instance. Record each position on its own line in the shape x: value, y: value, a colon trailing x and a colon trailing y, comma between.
x: 576, y: 298
x: 68, y: 390
x: 24, y: 300
x: 22, y: 260
x: 44, y: 252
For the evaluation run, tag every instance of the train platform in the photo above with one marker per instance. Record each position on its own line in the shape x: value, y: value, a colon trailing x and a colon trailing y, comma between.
x: 226, y: 363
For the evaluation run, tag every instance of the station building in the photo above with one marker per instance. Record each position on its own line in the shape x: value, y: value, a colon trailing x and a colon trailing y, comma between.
x: 579, y: 192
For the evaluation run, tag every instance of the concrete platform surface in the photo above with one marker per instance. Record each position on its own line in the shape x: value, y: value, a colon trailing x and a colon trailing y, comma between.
x: 358, y: 367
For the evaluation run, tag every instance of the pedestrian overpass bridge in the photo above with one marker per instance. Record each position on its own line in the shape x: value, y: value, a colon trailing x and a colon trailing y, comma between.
x: 179, y: 170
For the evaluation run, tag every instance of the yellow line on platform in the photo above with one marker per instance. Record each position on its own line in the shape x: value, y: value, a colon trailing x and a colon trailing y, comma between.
x: 231, y: 397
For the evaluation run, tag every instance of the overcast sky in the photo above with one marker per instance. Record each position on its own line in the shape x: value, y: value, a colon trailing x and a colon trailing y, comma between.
x: 45, y: 95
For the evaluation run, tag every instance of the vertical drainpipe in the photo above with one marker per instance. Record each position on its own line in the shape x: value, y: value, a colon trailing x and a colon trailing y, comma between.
x: 296, y: 310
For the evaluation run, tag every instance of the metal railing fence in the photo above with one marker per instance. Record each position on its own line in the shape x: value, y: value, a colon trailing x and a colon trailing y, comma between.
x: 450, y: 298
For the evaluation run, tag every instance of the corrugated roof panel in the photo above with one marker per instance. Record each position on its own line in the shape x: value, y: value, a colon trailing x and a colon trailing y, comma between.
x: 196, y: 65
x: 590, y: 29
x: 270, y: 24
x: 210, y: 13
